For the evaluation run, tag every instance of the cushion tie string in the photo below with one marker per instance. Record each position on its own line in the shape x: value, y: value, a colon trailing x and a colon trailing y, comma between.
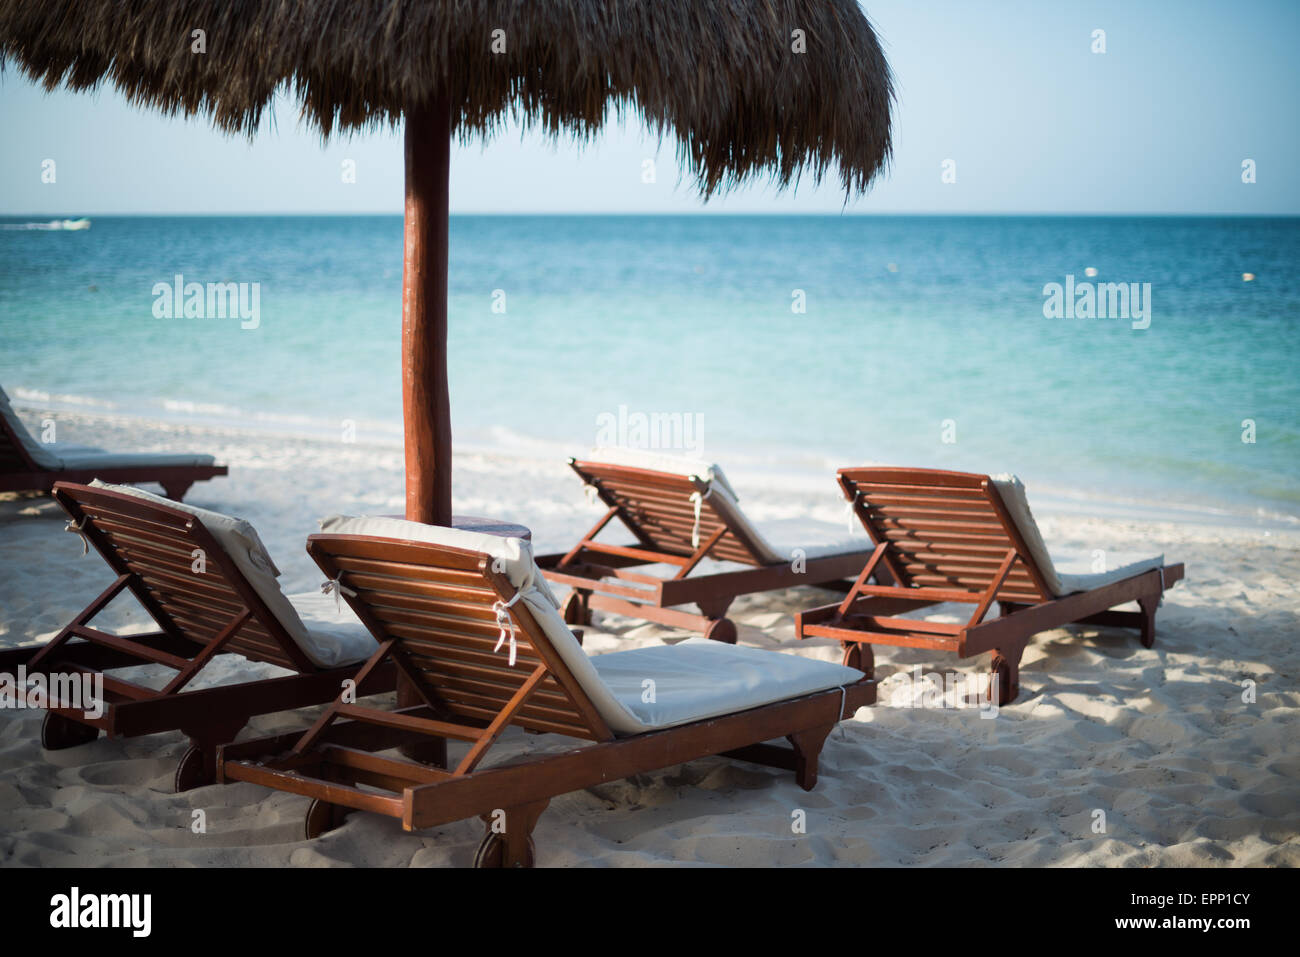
x: 697, y: 499
x: 849, y: 512
x: 78, y: 528
x: 844, y: 699
x: 336, y: 587
x: 592, y: 493
x: 505, y: 622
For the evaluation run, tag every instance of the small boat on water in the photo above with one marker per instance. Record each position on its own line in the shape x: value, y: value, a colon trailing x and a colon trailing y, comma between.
x: 61, y: 224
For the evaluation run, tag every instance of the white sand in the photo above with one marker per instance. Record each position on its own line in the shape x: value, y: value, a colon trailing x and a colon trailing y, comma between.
x: 1161, y: 741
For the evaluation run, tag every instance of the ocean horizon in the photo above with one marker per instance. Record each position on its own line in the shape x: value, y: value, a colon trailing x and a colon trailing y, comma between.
x: 783, y: 342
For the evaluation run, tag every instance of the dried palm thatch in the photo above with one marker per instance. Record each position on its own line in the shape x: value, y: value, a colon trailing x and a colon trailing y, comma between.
x: 723, y: 76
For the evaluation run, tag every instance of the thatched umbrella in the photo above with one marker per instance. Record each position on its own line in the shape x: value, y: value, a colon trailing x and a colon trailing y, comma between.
x: 747, y: 87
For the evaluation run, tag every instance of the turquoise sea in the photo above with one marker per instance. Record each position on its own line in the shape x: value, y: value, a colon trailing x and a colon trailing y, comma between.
x: 922, y: 340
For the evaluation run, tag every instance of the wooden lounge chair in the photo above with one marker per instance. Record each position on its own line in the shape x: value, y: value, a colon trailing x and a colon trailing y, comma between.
x: 684, y: 514
x: 27, y: 465
x: 959, y: 537
x: 206, y: 581
x: 469, y: 619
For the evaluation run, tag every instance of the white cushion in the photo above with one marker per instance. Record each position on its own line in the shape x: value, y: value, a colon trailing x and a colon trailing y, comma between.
x: 692, y: 683
x: 698, y: 679
x: 662, y: 462
x: 83, y: 457
x: 775, y: 542
x: 72, y: 449
x: 58, y: 456
x: 1059, y: 583
x: 516, y: 554
x: 240, y: 541
x: 817, y: 539
x: 1086, y: 581
x: 38, y: 453
x: 335, y: 634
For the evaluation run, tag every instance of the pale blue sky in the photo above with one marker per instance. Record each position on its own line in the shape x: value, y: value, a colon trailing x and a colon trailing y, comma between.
x: 1010, y: 91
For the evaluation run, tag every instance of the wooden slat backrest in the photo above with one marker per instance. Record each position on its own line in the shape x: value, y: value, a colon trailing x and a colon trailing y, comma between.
x: 657, y: 508
x: 437, y: 603
x: 13, y: 456
x: 945, y: 530
x: 155, y: 544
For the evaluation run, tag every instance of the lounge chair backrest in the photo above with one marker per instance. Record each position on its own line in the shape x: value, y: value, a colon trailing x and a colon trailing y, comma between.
x: 658, y: 509
x: 156, y: 544
x: 13, y: 457
x: 440, y: 605
x: 948, y: 530
x: 19, y: 452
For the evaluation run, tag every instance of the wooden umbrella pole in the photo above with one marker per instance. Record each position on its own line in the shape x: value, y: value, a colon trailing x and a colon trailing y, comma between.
x: 425, y: 397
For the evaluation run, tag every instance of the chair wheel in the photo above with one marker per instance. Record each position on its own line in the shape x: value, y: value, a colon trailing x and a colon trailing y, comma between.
x: 721, y: 629
x: 323, y: 817
x: 194, y: 771
x: 58, y: 732
x: 492, y: 851
x: 859, y: 655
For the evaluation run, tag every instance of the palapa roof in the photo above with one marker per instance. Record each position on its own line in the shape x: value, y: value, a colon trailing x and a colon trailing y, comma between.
x: 719, y: 75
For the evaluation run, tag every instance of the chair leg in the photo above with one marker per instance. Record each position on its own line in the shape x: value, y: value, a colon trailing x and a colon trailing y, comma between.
x: 431, y: 751
x: 807, y: 749
x: 1147, y: 631
x: 198, y: 765
x: 176, y: 489
x: 714, y: 607
x: 576, y: 610
x: 512, y: 847
x: 1005, y: 671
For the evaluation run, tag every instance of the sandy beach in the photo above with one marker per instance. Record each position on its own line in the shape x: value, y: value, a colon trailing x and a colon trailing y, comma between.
x: 1187, y: 766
